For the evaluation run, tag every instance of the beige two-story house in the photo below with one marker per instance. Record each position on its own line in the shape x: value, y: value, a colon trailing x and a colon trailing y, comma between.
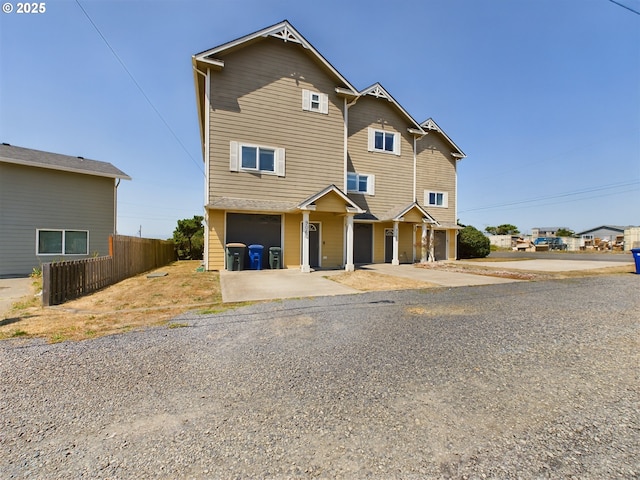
x: 298, y: 158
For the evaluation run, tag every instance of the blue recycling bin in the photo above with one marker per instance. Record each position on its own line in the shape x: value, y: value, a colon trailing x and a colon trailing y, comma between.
x: 255, y: 257
x: 636, y: 256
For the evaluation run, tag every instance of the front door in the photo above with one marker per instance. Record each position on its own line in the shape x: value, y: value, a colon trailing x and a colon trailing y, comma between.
x: 388, y: 245
x: 314, y: 244
x: 362, y: 243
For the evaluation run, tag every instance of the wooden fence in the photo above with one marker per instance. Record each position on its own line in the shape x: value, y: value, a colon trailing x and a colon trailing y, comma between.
x: 128, y: 256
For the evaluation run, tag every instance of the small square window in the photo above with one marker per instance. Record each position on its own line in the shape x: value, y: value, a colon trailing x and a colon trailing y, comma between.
x: 315, y: 102
x: 436, y: 199
x: 360, y: 183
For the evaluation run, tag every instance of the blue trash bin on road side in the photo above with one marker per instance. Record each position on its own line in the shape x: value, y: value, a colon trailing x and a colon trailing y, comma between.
x: 255, y: 257
x: 636, y: 256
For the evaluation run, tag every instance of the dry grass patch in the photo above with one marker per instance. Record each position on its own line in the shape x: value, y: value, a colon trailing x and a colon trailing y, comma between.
x: 131, y: 304
x: 370, y: 281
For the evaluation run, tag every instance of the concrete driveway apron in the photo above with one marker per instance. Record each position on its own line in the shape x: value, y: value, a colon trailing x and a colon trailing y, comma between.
x: 12, y: 290
x: 249, y: 285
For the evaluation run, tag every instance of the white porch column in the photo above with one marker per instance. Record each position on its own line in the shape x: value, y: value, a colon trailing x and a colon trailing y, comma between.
x: 423, y: 243
x: 432, y: 247
x: 305, y: 267
x: 395, y: 260
x: 349, y: 266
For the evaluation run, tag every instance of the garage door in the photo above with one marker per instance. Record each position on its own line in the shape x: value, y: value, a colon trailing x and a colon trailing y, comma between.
x: 253, y: 229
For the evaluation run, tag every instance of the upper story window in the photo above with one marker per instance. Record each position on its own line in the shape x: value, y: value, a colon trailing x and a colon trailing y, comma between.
x: 360, y: 183
x: 62, y: 242
x: 315, y: 102
x: 436, y: 199
x: 256, y: 158
x: 384, y: 141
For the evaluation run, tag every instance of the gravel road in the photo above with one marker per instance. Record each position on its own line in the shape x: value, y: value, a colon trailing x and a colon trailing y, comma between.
x: 521, y: 380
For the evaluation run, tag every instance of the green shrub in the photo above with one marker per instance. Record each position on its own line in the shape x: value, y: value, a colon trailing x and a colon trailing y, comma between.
x: 472, y: 243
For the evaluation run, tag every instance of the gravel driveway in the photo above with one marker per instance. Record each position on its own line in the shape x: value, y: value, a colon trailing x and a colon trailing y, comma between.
x: 520, y: 380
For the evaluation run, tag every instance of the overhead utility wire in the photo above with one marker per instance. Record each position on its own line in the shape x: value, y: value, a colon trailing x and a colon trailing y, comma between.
x: 624, y: 6
x: 166, y: 124
x: 560, y: 195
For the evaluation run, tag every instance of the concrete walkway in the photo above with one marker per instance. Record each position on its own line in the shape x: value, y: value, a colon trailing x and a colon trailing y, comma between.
x: 12, y: 290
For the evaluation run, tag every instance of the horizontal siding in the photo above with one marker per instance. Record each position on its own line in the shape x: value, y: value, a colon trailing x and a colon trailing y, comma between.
x: 394, y: 174
x: 37, y: 198
x: 436, y: 171
x: 216, y: 240
x: 257, y: 98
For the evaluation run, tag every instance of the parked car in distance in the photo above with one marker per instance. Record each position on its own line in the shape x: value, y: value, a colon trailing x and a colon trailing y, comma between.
x: 554, y: 243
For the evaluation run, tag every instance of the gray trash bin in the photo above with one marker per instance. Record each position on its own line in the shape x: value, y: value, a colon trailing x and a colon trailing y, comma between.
x: 235, y: 256
x: 275, y: 257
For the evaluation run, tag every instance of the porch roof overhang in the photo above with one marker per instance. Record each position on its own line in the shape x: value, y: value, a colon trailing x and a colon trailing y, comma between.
x: 251, y: 205
x: 397, y: 214
x: 309, y: 203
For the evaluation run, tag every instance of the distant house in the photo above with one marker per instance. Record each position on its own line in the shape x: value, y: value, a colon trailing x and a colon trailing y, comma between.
x: 611, y: 234
x: 53, y: 207
x: 297, y: 158
x: 544, y: 232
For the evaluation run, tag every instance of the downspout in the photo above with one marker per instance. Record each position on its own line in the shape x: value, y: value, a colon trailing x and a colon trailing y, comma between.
x: 415, y: 168
x: 207, y: 155
x: 115, y: 206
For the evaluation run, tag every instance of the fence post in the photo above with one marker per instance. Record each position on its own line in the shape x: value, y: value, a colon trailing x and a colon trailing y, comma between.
x: 46, y: 284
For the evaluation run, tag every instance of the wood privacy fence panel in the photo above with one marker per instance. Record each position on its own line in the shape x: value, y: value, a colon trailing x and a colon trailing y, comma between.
x: 129, y: 256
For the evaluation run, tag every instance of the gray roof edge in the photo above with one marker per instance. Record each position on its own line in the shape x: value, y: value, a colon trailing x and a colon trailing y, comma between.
x: 56, y: 161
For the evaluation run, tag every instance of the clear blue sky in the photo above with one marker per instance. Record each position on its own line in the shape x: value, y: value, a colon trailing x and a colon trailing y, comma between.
x: 542, y: 95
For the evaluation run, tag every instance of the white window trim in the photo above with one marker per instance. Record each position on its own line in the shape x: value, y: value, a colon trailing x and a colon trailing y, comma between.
x: 372, y: 141
x: 371, y: 183
x: 323, y: 102
x: 38, y: 230
x: 445, y: 199
x: 235, y: 159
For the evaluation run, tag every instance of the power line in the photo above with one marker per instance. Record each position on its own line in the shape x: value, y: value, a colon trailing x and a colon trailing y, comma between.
x: 559, y: 195
x: 624, y: 6
x: 166, y: 124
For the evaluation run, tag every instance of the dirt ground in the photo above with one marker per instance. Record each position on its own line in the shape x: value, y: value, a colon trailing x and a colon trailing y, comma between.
x: 133, y: 303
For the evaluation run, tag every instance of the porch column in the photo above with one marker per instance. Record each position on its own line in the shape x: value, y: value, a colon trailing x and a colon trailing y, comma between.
x: 395, y: 260
x: 305, y: 267
x: 432, y: 247
x: 349, y: 267
x: 423, y: 243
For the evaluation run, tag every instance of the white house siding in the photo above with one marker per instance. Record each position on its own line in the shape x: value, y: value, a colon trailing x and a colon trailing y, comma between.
x: 38, y: 198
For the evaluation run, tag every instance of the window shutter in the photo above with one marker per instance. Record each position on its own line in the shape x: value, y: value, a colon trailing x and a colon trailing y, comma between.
x: 280, y: 162
x: 324, y: 103
x: 371, y: 139
x: 306, y: 100
x: 233, y: 156
x: 371, y: 184
x: 397, y: 138
x: 445, y: 200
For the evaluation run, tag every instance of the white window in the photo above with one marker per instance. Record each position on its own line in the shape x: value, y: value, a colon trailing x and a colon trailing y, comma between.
x: 360, y: 183
x: 315, y: 102
x: 436, y: 199
x: 384, y: 141
x: 62, y: 242
x: 256, y: 158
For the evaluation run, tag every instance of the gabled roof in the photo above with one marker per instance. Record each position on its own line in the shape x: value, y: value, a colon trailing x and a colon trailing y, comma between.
x: 378, y: 91
x: 56, y: 161
x: 352, y: 207
x: 430, y: 124
x: 614, y: 228
x: 283, y: 31
x: 397, y: 213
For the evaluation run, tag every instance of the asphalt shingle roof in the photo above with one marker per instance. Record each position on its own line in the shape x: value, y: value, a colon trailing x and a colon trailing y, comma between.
x: 56, y: 161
